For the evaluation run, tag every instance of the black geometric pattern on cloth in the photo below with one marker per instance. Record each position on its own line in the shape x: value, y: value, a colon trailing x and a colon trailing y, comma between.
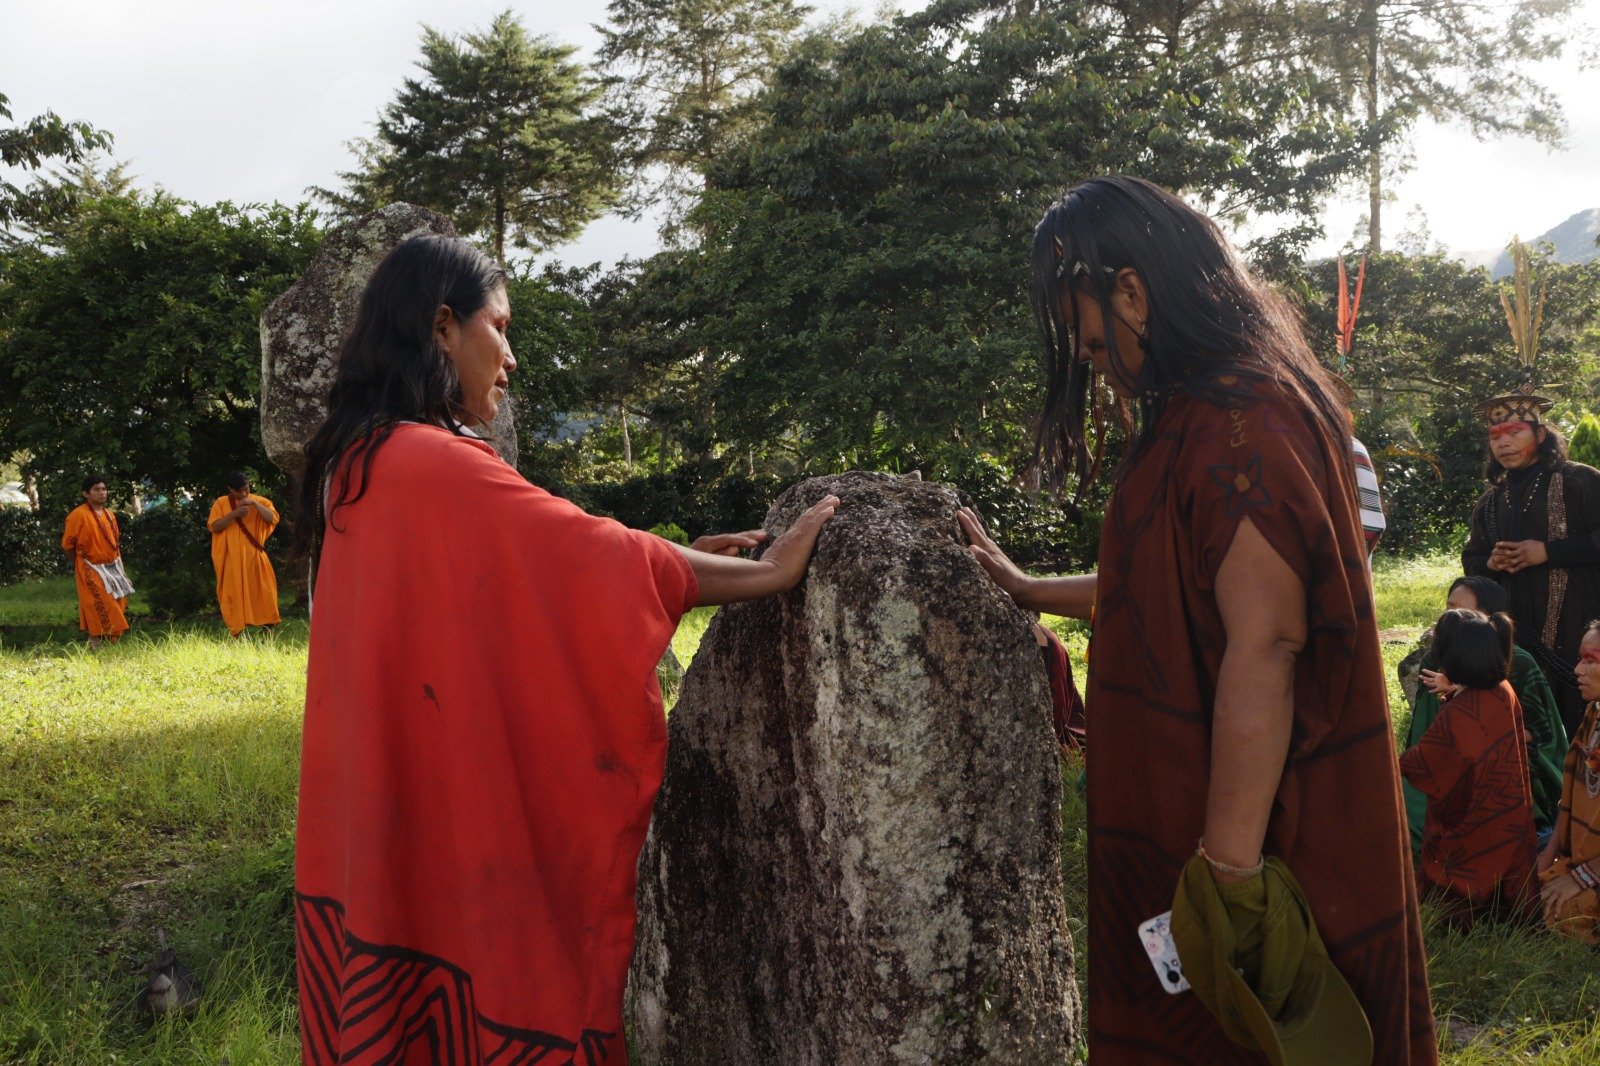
x: 97, y: 595
x: 1481, y: 811
x: 1242, y: 486
x: 369, y: 1003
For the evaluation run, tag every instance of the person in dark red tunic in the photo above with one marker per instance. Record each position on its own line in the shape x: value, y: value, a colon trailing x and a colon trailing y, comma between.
x: 483, y: 734
x: 1478, y: 845
x: 1235, y: 680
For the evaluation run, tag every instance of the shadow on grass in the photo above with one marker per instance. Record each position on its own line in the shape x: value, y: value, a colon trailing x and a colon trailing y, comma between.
x: 58, y: 639
x: 109, y: 834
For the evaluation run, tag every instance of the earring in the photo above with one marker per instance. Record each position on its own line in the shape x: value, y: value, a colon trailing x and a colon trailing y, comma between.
x: 1144, y: 336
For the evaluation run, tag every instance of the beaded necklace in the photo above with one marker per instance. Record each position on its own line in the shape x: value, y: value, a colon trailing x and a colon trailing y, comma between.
x: 113, y: 534
x: 1533, y: 492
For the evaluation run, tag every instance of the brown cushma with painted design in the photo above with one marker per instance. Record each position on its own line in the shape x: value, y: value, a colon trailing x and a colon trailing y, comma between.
x: 1158, y: 644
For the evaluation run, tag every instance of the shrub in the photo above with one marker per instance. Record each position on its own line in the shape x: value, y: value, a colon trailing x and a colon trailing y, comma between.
x: 671, y: 531
x: 693, y: 498
x: 30, y: 546
x: 1033, y: 528
x: 168, y: 554
x: 1584, y: 446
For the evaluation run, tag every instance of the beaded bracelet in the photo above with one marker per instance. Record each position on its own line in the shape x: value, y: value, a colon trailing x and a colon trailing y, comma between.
x: 1584, y: 876
x: 1235, y: 871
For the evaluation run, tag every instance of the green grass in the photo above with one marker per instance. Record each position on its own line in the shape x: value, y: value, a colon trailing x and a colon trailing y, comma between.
x: 150, y: 786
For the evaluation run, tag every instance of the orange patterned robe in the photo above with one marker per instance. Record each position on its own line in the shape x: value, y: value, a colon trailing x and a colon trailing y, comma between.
x: 1579, y: 839
x: 93, y: 536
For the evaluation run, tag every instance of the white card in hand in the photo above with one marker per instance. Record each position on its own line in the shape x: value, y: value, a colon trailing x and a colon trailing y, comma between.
x: 1156, y: 936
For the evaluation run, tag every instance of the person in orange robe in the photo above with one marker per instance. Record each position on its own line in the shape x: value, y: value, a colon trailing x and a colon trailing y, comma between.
x: 1478, y: 846
x: 1235, y: 677
x: 247, y: 589
x: 94, y: 540
x: 484, y: 736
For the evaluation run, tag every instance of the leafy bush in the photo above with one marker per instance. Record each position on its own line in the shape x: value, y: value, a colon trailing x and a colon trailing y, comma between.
x: 30, y: 546
x: 691, y: 497
x: 670, y: 531
x: 1035, y: 529
x: 168, y: 554
x: 1584, y: 445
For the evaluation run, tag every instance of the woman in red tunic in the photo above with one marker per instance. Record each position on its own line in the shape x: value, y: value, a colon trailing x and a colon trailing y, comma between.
x: 483, y: 734
x: 1478, y: 845
x: 1235, y: 681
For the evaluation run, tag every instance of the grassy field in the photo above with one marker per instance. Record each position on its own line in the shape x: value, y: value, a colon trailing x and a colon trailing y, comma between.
x: 150, y: 787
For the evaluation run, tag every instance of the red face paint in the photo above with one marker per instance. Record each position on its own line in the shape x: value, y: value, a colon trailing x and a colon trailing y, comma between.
x: 1590, y: 656
x: 1515, y: 444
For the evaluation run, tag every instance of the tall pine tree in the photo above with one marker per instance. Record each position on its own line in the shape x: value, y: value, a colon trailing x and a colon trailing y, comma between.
x: 683, y: 76
x: 1381, y: 63
x: 499, y: 134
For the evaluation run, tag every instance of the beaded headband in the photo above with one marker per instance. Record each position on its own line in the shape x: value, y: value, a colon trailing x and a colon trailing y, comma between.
x: 1515, y: 407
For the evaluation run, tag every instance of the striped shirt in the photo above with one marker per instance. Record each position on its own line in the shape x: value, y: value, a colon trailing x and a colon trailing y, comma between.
x: 1372, y: 520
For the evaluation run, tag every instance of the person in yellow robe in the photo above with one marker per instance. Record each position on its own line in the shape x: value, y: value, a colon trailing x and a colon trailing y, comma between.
x: 94, y: 540
x: 240, y: 524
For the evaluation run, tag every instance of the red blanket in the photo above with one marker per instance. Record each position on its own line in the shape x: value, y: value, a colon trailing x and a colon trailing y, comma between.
x: 483, y: 743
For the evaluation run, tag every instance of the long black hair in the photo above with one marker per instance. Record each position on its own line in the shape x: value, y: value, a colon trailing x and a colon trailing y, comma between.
x: 391, y: 368
x: 1209, y: 315
x: 1492, y: 596
x: 1552, y: 453
x: 1474, y: 649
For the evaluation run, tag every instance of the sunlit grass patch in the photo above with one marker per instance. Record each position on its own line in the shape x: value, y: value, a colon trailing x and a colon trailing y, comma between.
x: 148, y: 786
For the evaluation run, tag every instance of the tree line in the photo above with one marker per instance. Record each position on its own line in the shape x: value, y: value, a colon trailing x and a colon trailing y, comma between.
x: 842, y: 281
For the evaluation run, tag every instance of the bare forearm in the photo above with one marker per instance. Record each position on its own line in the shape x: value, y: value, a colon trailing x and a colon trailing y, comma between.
x: 1251, y: 723
x: 1070, y: 597
x: 732, y: 579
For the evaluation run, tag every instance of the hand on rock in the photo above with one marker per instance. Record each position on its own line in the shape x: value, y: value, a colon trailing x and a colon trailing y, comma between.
x: 791, y: 552
x: 1005, y: 573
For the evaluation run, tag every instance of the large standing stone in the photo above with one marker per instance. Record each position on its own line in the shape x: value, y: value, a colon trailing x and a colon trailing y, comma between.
x: 855, y: 856
x: 302, y: 330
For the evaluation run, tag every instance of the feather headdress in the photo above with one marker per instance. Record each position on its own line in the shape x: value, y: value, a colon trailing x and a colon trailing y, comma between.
x: 1525, y: 315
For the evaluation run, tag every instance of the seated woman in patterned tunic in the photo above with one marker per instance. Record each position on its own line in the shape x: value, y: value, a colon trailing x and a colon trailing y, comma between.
x: 1547, y: 736
x: 1472, y: 764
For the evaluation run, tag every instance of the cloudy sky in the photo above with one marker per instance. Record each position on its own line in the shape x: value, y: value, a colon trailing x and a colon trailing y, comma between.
x: 253, y: 100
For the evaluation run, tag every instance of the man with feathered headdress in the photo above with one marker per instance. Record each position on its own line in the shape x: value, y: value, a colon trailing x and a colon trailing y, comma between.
x: 1537, y: 529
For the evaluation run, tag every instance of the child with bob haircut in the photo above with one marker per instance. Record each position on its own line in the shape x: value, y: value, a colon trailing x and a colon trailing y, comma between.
x: 1472, y: 764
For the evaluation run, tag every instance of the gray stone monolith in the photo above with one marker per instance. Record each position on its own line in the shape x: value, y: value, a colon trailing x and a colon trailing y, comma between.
x: 302, y: 329
x: 855, y: 855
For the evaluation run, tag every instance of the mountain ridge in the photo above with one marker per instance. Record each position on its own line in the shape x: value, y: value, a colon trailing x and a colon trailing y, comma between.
x: 1573, y: 241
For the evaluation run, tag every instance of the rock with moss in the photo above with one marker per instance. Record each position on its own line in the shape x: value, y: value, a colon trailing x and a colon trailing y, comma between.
x: 302, y: 330
x: 855, y: 856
